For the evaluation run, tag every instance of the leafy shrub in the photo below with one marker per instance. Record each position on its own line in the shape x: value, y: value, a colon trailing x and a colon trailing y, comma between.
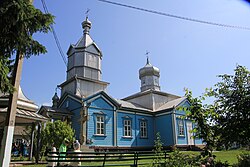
x: 221, y: 164
x: 244, y: 159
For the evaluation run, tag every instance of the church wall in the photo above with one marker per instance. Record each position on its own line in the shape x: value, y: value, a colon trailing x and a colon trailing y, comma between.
x: 88, y: 88
x: 187, y: 137
x: 135, y: 140
x: 70, y: 87
x: 99, y: 107
x: 149, y: 141
x: 198, y: 141
x: 75, y: 107
x: 164, y: 125
x: 181, y: 138
x: 121, y: 140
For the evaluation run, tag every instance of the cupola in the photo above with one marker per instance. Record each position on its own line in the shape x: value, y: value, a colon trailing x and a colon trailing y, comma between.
x: 86, y: 25
x: 55, y: 100
x: 149, y: 76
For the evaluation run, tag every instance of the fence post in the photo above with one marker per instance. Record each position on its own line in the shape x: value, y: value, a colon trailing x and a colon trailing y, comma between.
x: 57, y: 164
x: 136, y: 159
x: 165, y: 156
x: 104, y: 159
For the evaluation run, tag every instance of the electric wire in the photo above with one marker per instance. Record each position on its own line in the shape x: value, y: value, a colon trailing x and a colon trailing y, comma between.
x: 55, y: 35
x: 176, y: 16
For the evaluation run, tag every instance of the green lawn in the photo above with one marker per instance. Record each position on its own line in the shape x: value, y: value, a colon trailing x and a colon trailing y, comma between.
x: 229, y: 156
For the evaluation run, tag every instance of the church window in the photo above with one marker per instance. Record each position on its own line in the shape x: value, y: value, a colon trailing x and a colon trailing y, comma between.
x: 100, y: 125
x: 181, y: 128
x: 143, y: 129
x: 127, y: 128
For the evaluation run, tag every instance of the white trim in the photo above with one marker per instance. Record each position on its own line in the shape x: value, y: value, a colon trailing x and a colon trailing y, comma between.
x: 176, y: 137
x: 115, y: 129
x: 181, y: 131
x: 144, y: 126
x: 127, y: 130
x: 101, y: 123
x: 165, y: 113
x: 137, y: 113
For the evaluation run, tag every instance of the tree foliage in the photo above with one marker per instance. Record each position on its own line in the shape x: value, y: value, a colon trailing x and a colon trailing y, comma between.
x: 203, y: 116
x: 158, y: 149
x: 56, y: 132
x: 232, y: 106
x: 19, y: 20
x: 226, y: 120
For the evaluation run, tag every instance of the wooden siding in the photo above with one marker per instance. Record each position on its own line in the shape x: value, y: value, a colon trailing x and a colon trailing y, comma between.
x: 164, y: 126
x: 100, y: 107
x: 74, y: 107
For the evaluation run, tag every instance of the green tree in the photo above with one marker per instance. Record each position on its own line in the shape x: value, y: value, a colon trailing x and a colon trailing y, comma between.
x: 19, y: 20
x: 203, y: 116
x: 158, y: 149
x: 226, y: 120
x: 55, y: 133
x: 232, y: 106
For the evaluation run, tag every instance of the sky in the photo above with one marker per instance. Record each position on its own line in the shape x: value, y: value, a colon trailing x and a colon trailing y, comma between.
x: 188, y: 54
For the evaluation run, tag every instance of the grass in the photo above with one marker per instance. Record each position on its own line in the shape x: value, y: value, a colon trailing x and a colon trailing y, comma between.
x: 229, y: 156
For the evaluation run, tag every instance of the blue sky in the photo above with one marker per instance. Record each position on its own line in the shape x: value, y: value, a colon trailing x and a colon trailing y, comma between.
x: 188, y: 54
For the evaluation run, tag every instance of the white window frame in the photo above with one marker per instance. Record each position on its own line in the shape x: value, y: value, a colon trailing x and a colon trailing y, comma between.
x: 143, y: 129
x: 100, y: 125
x: 127, y: 128
x: 181, y: 128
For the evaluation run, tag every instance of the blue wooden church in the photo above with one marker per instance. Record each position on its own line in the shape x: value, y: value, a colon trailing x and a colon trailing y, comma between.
x: 103, y: 122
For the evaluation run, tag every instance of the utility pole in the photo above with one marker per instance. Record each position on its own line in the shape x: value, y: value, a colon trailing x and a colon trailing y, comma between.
x: 11, y: 113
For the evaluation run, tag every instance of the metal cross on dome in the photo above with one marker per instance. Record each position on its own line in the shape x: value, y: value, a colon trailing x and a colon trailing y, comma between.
x: 147, y: 53
x: 87, y: 12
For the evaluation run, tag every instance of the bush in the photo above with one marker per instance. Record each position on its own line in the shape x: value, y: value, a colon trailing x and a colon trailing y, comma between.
x: 244, y: 159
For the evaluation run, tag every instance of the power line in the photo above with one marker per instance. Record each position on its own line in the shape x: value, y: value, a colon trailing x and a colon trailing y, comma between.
x: 55, y: 36
x: 177, y: 17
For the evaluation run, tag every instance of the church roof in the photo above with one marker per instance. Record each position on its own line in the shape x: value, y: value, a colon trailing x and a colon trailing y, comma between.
x: 85, y: 41
x: 23, y: 102
x: 20, y: 113
x: 126, y: 104
x: 148, y: 91
x: 57, y: 110
x: 171, y: 104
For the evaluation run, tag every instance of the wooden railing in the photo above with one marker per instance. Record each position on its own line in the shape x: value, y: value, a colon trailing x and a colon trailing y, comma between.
x: 101, y: 159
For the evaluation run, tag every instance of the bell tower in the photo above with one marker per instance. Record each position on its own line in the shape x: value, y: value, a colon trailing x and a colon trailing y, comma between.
x: 84, y: 66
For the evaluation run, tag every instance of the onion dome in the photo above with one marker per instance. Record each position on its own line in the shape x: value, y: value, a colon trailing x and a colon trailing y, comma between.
x: 55, y: 100
x: 149, y: 70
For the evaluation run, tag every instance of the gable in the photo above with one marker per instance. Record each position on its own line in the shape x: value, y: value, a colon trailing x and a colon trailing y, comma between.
x: 181, y: 107
x: 184, y: 103
x: 102, y: 103
x: 69, y: 102
x: 93, y: 49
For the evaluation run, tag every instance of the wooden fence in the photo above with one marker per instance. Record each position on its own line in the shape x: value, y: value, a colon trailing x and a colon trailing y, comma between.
x: 101, y: 159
